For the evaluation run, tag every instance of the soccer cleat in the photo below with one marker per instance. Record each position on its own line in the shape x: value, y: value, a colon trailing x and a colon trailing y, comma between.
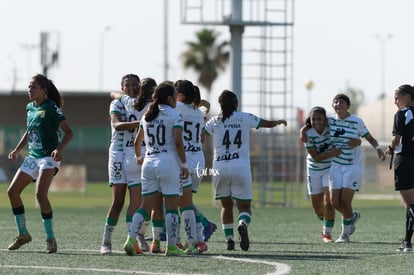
x: 209, y: 230
x: 355, y: 217
x: 244, y: 236
x: 131, y: 247
x: 230, y: 244
x: 173, y: 250
x: 19, y: 241
x: 192, y: 250
x: 51, y: 245
x: 343, y: 239
x: 142, y: 243
x: 155, y: 246
x: 405, y: 247
x: 180, y: 246
x: 326, y: 238
x: 106, y: 249
x: 202, y: 247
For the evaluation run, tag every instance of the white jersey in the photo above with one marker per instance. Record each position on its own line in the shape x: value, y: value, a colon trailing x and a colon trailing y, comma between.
x: 322, y: 143
x: 132, y: 114
x: 341, y: 132
x: 117, y: 137
x: 231, y: 139
x: 159, y: 134
x: 193, y: 126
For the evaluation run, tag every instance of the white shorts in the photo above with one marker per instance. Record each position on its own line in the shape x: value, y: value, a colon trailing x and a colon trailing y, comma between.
x: 161, y: 175
x: 116, y: 171
x: 132, y: 170
x: 235, y: 182
x: 32, y: 166
x: 196, y: 165
x: 317, y: 180
x: 341, y: 176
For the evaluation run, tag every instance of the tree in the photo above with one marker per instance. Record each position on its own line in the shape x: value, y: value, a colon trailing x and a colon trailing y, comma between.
x: 206, y: 57
x: 356, y: 97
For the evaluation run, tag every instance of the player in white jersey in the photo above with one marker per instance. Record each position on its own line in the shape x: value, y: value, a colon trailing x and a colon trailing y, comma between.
x: 346, y: 168
x: 121, y: 128
x: 318, y: 163
x: 233, y: 180
x: 163, y: 165
x: 135, y: 108
x: 188, y: 99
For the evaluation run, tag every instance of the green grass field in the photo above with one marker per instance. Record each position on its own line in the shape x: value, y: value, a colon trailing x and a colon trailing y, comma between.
x: 282, y: 239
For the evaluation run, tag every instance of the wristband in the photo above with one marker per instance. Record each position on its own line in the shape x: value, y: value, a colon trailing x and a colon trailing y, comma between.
x: 140, y: 157
x: 184, y: 165
x: 378, y: 147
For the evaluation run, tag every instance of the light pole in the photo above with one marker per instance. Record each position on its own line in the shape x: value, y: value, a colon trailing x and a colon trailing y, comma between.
x: 383, y: 40
x: 102, y: 56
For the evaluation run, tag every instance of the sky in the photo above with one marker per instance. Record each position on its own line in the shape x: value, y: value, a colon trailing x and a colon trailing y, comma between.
x: 337, y: 43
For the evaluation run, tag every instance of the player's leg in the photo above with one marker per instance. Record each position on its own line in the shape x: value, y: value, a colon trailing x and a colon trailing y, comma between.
x: 42, y: 188
x: 18, y: 184
x: 112, y: 216
x: 227, y: 221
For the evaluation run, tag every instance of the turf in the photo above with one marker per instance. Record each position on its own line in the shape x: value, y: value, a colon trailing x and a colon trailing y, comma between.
x: 289, y: 236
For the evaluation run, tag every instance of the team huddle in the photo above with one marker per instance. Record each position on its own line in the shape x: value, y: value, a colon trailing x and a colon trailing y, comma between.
x: 156, y: 154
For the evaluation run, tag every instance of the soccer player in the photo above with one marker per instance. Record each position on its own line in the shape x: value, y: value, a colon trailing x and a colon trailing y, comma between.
x: 232, y: 161
x: 403, y: 145
x: 163, y: 165
x: 318, y: 162
x: 44, y: 118
x: 346, y: 168
x: 123, y: 171
x: 188, y: 99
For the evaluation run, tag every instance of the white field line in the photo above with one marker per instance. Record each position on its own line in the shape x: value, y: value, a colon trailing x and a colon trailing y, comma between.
x: 280, y: 268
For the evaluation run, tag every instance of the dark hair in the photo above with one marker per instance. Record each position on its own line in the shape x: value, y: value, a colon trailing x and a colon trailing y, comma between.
x: 146, y: 90
x: 197, y: 96
x: 228, y: 103
x: 316, y: 109
x: 160, y: 96
x: 51, y: 90
x: 186, y: 88
x: 343, y: 97
x: 125, y: 77
x: 406, y: 89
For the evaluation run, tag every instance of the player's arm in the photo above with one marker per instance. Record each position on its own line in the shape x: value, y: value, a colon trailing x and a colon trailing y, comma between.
x: 272, y: 123
x: 115, y: 95
x: 325, y: 155
x: 22, y: 143
x: 137, y: 145
x: 68, y: 135
x: 375, y: 144
x: 123, y: 125
x: 178, y: 140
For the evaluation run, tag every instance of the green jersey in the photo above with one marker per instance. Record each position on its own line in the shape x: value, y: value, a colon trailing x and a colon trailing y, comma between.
x: 42, y: 128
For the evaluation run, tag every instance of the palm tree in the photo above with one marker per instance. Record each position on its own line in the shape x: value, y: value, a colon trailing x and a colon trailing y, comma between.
x: 206, y: 57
